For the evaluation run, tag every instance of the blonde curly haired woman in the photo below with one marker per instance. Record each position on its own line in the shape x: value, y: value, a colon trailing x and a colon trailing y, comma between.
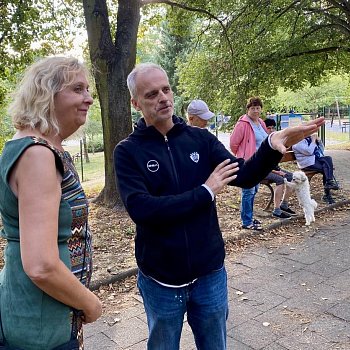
x: 43, y: 285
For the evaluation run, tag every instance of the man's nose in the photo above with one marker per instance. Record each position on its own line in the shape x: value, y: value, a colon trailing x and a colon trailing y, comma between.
x: 162, y: 96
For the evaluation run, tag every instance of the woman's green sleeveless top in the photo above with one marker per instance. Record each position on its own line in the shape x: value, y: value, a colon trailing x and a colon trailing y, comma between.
x: 31, y: 319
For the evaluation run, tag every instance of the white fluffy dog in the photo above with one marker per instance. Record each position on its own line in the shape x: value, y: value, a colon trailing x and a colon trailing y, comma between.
x: 300, y: 185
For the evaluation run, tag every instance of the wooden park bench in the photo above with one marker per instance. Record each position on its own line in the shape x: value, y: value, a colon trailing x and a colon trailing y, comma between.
x: 289, y: 156
x: 76, y: 157
x: 344, y: 125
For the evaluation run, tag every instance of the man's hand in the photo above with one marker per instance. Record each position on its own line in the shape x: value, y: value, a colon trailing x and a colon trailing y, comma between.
x: 283, y: 139
x: 222, y: 175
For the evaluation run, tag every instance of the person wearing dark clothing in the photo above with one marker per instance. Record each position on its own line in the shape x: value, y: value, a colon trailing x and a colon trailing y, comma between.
x: 277, y: 176
x: 168, y: 174
x: 309, y: 154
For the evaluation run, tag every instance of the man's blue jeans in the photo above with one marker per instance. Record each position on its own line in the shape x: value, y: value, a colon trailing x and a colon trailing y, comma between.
x: 247, y: 204
x: 205, y: 301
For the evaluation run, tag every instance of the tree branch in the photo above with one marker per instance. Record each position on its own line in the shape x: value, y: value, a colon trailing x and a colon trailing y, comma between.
x: 318, y: 51
x: 330, y: 49
x: 344, y: 6
x: 192, y: 9
x: 334, y: 18
x: 68, y: 9
x: 337, y: 21
x: 280, y: 13
x: 294, y: 30
x: 336, y: 4
x: 286, y: 9
x: 315, y: 29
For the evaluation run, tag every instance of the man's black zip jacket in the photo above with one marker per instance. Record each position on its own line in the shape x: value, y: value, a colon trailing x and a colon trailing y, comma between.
x: 159, y: 178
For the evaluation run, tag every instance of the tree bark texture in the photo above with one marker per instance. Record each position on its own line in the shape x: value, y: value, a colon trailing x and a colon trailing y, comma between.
x: 112, y: 60
x: 86, y: 152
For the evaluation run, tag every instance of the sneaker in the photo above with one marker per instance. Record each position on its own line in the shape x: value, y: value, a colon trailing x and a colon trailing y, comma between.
x: 289, y: 211
x: 331, y: 185
x: 257, y: 222
x: 281, y: 215
x: 328, y: 199
x: 254, y: 226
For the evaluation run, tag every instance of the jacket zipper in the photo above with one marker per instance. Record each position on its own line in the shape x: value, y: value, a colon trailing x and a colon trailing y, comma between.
x: 172, y: 163
x: 178, y: 187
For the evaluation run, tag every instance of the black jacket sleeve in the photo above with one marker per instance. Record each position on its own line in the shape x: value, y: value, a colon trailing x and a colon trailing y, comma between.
x: 252, y: 171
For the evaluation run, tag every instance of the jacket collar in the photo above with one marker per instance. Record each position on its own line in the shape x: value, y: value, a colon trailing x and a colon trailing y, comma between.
x: 141, y: 129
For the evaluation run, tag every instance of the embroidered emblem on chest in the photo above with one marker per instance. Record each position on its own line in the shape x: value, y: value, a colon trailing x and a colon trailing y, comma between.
x: 152, y: 166
x: 195, y: 157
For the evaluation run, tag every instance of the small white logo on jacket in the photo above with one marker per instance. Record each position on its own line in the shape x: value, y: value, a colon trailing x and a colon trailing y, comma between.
x: 152, y: 166
x: 195, y: 157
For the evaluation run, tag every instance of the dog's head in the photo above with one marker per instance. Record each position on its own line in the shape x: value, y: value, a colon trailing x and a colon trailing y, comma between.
x: 299, y: 177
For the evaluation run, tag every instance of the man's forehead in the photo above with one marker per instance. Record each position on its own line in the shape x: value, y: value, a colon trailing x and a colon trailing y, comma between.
x: 151, y: 80
x: 151, y: 76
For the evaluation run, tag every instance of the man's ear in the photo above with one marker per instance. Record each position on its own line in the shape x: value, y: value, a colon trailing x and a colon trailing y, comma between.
x: 135, y: 104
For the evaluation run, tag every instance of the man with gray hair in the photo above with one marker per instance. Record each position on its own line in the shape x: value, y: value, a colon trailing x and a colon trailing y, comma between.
x: 198, y: 114
x: 168, y: 175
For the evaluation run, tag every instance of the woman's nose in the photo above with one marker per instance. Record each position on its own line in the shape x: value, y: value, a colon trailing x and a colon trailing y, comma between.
x: 88, y: 98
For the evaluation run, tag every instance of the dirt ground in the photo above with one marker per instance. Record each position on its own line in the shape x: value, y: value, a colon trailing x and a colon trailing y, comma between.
x: 114, y: 238
x: 114, y: 234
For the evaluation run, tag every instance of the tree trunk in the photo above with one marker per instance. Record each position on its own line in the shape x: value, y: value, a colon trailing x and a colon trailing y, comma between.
x: 112, y: 62
x: 86, y: 153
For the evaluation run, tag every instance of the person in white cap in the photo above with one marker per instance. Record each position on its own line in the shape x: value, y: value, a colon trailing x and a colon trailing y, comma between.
x: 198, y: 114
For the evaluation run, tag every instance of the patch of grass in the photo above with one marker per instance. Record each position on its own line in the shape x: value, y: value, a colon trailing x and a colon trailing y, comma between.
x: 339, y: 146
x: 92, y: 170
x: 334, y: 136
x: 72, y: 149
x: 91, y: 174
x: 337, y: 140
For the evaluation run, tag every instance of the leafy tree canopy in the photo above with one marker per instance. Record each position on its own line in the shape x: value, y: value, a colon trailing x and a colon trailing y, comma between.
x: 6, y: 128
x: 32, y: 28
x: 253, y: 47
x: 311, y: 98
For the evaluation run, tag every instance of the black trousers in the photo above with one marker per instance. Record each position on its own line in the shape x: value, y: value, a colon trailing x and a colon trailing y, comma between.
x: 323, y: 165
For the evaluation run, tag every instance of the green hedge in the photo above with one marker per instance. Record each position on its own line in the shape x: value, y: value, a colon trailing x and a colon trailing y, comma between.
x: 96, y: 145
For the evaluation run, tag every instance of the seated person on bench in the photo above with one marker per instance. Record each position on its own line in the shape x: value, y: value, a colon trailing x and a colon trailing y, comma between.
x: 281, y: 192
x: 309, y: 155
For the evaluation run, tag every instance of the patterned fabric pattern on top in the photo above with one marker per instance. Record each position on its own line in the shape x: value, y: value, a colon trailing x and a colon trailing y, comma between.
x: 79, y: 244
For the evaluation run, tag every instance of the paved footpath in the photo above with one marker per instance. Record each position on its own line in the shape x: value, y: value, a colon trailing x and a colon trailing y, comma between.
x: 292, y: 297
